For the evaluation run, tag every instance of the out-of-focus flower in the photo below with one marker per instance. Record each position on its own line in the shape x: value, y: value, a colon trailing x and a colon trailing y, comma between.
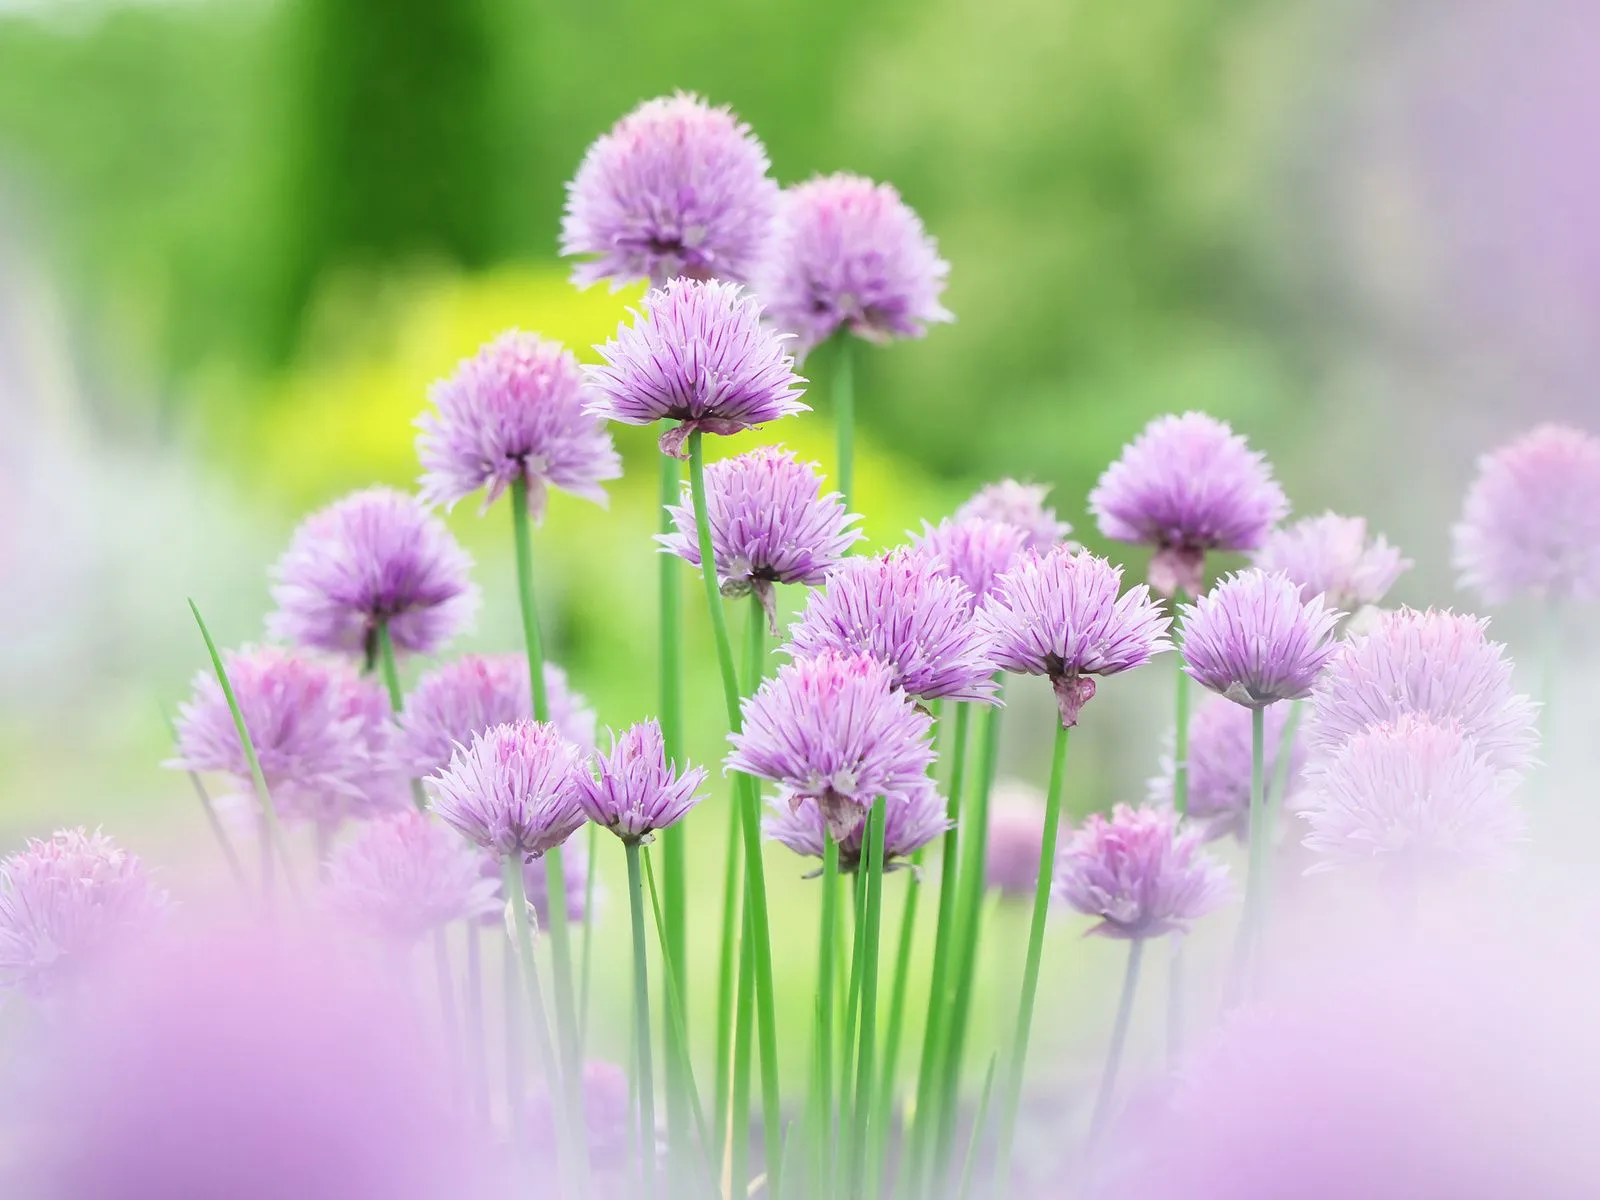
x: 406, y: 875
x: 607, y: 1115
x: 376, y: 557
x: 1187, y: 485
x: 911, y: 821
x: 699, y: 355
x: 832, y: 729
x: 1219, y: 766
x: 676, y: 188
x: 770, y: 524
x: 536, y: 883
x: 902, y: 610
x: 847, y: 253
x: 636, y: 790
x: 1330, y: 556
x: 514, y: 790
x: 67, y: 901
x: 1016, y: 834
x: 1139, y: 873
x: 514, y: 410
x: 1531, y: 522
x: 1019, y: 504
x: 1058, y: 615
x: 974, y: 550
x: 1255, y: 641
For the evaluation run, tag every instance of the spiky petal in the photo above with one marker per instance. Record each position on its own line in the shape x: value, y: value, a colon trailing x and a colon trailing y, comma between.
x: 406, y: 875
x: 514, y: 790
x: 1253, y: 640
x: 973, y: 550
x: 635, y: 790
x: 1022, y: 505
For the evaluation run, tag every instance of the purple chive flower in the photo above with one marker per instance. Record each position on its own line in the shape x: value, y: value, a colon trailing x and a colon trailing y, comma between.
x: 770, y: 524
x: 974, y: 550
x: 1255, y: 641
x: 515, y: 410
x: 1440, y: 665
x: 322, y: 733
x: 66, y: 902
x: 1531, y: 523
x: 407, y: 875
x: 832, y: 729
x: 374, y: 557
x: 847, y: 253
x: 1219, y: 766
x: 1022, y: 505
x: 698, y: 355
x: 1058, y: 615
x: 911, y: 821
x: 637, y: 791
x: 1016, y: 834
x: 676, y: 188
x: 1330, y: 556
x: 902, y: 610
x: 1139, y: 873
x: 475, y: 693
x: 1187, y: 485
x: 1412, y: 795
x: 514, y: 790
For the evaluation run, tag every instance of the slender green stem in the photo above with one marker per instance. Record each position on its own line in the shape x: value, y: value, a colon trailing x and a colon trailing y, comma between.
x: 523, y: 536
x: 822, y: 1105
x: 224, y: 842
x: 397, y: 699
x: 738, y: 1152
x: 708, y: 573
x: 844, y: 411
x: 861, y: 1118
x: 1012, y: 1095
x: 979, y: 1120
x: 1277, y: 792
x: 586, y: 962
x: 476, y: 1025
x: 1259, y: 832
x: 884, y: 1106
x: 514, y: 1056
x: 1180, y: 805
x: 852, y: 996
x: 1119, y: 1038
x: 444, y: 978
x: 641, y: 1023
x: 674, y: 853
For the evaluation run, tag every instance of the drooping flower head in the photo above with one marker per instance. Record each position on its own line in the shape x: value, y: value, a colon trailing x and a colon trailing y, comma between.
x: 974, y: 550
x: 1531, y: 522
x: 699, y: 355
x: 474, y: 693
x: 1022, y: 505
x: 902, y: 610
x: 1330, y: 556
x: 375, y: 557
x: 636, y: 790
x: 834, y: 730
x: 910, y: 823
x: 1187, y: 485
x: 1016, y: 835
x: 1439, y: 665
x: 1412, y: 795
x: 67, y: 901
x: 1255, y: 641
x: 676, y: 188
x: 770, y: 524
x: 514, y: 790
x: 1219, y: 766
x: 514, y: 410
x: 1058, y: 615
x: 847, y: 253
x: 1139, y: 873
x: 406, y: 875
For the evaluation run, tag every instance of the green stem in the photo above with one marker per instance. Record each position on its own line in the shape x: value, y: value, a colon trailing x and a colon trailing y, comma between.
x: 397, y: 700
x: 477, y: 1039
x: 861, y: 1118
x: 1244, y: 945
x: 523, y: 536
x: 1278, y: 792
x: 822, y: 1106
x: 224, y: 842
x: 1119, y: 1039
x: 728, y: 959
x: 884, y: 1105
x: 979, y: 1120
x: 852, y: 996
x: 844, y: 411
x: 738, y: 1152
x: 516, y: 1080
x: 586, y: 962
x: 1180, y: 805
x: 641, y: 1023
x: 445, y: 980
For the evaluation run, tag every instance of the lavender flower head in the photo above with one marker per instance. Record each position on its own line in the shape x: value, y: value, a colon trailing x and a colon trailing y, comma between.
x: 676, y: 188
x: 1140, y: 874
x: 1255, y: 641
x: 699, y: 355
x: 847, y: 253
x: 973, y: 550
x: 1531, y: 522
x: 636, y: 791
x: 1016, y: 835
x: 66, y: 902
x: 910, y: 823
x: 904, y: 611
x: 407, y: 875
x: 1330, y: 556
x: 770, y: 524
x: 515, y: 410
x: 1187, y: 485
x: 474, y: 693
x: 1058, y: 615
x: 514, y: 790
x: 376, y: 557
x: 1414, y: 796
x: 1440, y: 665
x: 1219, y: 766
x: 1022, y: 505
x: 832, y: 729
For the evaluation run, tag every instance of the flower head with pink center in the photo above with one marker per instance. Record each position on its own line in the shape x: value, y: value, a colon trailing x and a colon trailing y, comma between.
x: 1219, y: 766
x: 1254, y: 640
x: 910, y: 823
x: 406, y: 875
x: 974, y: 550
x: 1330, y: 556
x: 514, y: 790
x: 1022, y: 505
x: 635, y: 790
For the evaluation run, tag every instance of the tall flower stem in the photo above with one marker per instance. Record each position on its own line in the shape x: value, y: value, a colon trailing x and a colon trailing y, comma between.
x: 397, y: 699
x: 445, y: 980
x: 224, y: 842
x: 586, y: 962
x: 1180, y: 805
x: 883, y: 1107
x: 739, y: 1122
x: 1277, y: 792
x: 1011, y: 1097
x: 513, y: 1057
x: 844, y: 411
x: 822, y: 1106
x: 641, y: 1023
x: 674, y: 862
x: 477, y: 1040
x: 1245, y: 947
x: 1119, y: 1039
x: 861, y: 1117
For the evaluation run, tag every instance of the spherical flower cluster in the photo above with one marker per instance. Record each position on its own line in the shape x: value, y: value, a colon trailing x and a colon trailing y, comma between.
x: 1218, y: 781
x: 973, y: 550
x: 770, y: 523
x: 1139, y: 874
x: 1531, y: 522
x: 1255, y: 641
x: 833, y: 729
x: 636, y: 791
x: 406, y: 875
x: 847, y: 253
x: 1059, y: 615
x: 1187, y: 485
x: 1330, y: 556
x: 910, y: 823
x: 1016, y: 835
x: 1019, y: 504
x: 903, y: 611
x: 699, y: 355
x: 514, y: 790
x: 676, y: 188
x: 515, y: 410
x: 376, y: 557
